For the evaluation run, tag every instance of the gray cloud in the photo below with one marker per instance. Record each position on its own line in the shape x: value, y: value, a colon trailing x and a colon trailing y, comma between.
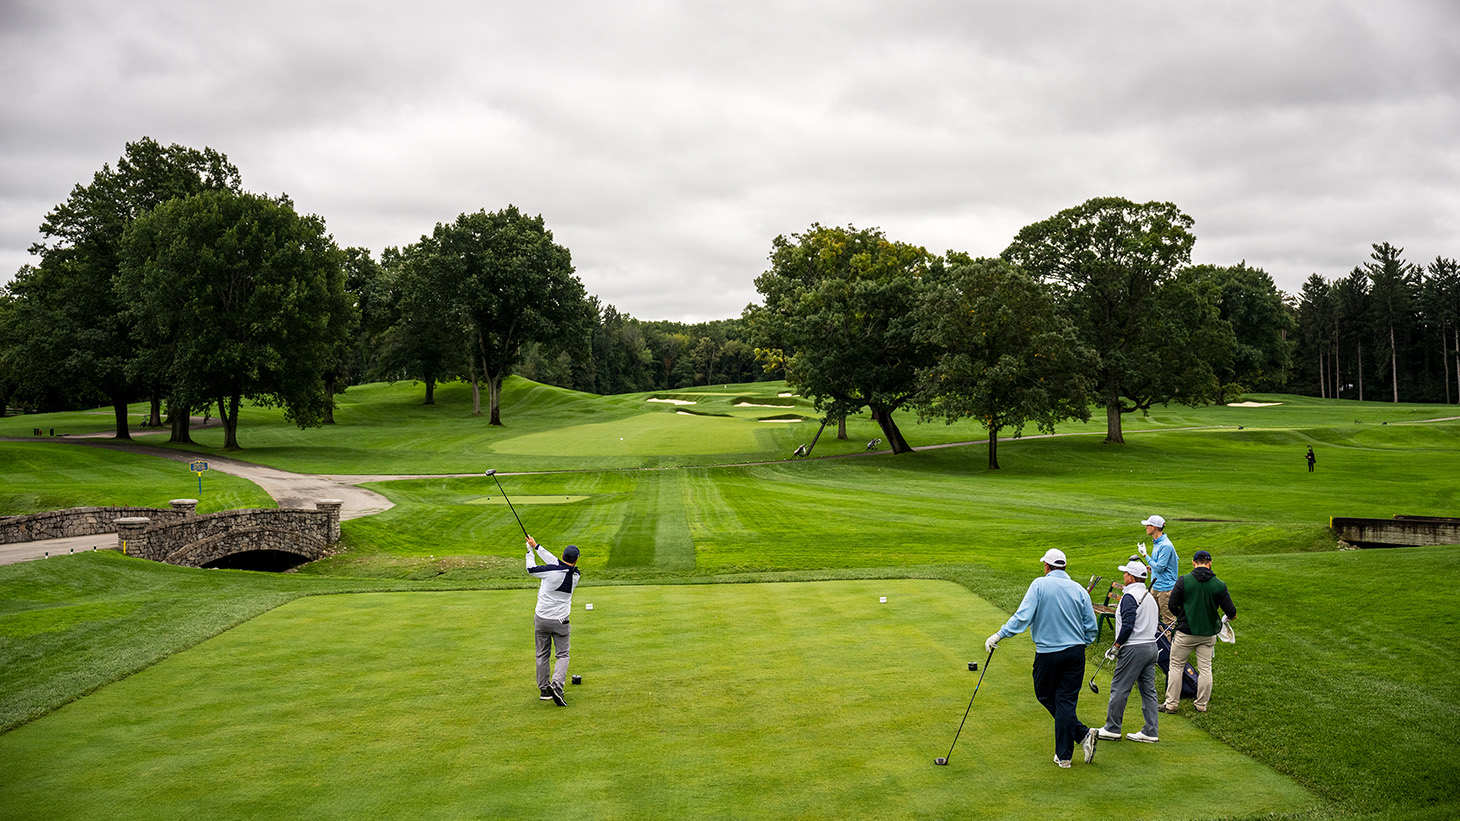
x: 666, y: 144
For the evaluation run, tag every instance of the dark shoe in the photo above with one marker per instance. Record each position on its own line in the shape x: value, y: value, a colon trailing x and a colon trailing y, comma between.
x: 1164, y: 709
x: 545, y: 694
x: 556, y: 694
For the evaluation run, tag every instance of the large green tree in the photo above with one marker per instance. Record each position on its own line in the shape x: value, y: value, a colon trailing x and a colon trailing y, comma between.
x: 1442, y: 308
x: 247, y: 298
x: 1262, y: 324
x: 76, y: 327
x: 1113, y: 263
x: 1393, y: 283
x: 1008, y: 357
x: 508, y: 285
x: 840, y: 313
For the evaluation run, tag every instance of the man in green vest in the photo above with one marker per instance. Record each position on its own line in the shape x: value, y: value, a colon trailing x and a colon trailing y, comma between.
x: 1195, y: 601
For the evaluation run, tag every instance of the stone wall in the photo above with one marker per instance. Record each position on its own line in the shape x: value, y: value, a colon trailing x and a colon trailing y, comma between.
x: 177, y: 535
x: 194, y: 541
x: 1398, y: 531
x: 83, y: 521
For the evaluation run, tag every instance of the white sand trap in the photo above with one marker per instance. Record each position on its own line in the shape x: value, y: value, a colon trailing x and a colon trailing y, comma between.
x: 787, y: 395
x: 1253, y: 404
x: 671, y: 401
x: 751, y: 405
x: 685, y: 413
x: 780, y: 420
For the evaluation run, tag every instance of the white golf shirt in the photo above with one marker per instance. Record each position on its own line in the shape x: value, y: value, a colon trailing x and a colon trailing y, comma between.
x: 555, y: 593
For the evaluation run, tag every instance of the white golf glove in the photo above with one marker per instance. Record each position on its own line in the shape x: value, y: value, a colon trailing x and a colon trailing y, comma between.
x: 1110, y: 654
x: 1141, y: 547
x: 993, y: 641
x: 1224, y: 619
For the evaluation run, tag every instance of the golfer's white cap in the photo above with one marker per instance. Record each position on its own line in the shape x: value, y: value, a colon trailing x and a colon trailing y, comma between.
x: 1054, y: 558
x: 1134, y: 568
x: 1155, y: 521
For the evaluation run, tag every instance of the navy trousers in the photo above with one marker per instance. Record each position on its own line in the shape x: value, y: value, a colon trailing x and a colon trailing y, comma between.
x: 1058, y: 677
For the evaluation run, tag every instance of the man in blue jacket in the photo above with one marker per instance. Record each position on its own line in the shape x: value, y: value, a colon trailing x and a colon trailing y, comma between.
x: 1060, y: 618
x: 1165, y: 566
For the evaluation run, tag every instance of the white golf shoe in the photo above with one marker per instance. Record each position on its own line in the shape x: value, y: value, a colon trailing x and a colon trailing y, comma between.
x: 1140, y: 736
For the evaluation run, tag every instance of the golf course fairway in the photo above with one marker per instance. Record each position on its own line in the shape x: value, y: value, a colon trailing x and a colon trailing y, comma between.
x: 787, y: 700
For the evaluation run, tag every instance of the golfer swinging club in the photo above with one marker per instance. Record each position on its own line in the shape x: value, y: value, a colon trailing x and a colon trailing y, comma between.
x: 550, y: 622
x: 1061, y: 620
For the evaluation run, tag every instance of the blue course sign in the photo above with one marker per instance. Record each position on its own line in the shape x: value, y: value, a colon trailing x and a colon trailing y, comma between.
x: 199, y: 466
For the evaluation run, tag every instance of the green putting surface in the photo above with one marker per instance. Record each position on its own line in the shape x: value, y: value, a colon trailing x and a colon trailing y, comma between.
x: 808, y: 700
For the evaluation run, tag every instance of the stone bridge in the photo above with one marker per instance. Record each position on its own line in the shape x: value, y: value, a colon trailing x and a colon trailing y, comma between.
x: 255, y: 538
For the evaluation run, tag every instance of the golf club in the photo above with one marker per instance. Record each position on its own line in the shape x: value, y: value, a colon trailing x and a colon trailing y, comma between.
x: 1093, y: 688
x: 943, y: 762
x: 493, y: 473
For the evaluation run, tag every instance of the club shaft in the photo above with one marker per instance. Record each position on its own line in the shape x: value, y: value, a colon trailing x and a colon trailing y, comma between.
x: 985, y: 672
x: 510, y: 507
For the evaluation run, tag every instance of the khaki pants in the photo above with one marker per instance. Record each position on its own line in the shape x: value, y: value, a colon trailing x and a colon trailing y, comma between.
x: 1184, y: 646
x: 1163, y: 605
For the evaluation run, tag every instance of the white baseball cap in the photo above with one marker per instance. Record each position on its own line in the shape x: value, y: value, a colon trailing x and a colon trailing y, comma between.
x: 1134, y: 568
x: 1155, y: 521
x: 1054, y: 558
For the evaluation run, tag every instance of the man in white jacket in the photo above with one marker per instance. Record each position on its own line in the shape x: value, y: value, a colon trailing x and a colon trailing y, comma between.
x: 1135, y: 655
x: 550, y: 621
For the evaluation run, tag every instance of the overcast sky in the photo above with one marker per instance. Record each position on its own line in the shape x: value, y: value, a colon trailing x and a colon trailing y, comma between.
x: 667, y: 143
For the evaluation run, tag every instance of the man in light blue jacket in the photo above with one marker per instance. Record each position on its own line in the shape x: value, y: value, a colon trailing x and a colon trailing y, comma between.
x: 1061, y: 620
x: 1165, y: 566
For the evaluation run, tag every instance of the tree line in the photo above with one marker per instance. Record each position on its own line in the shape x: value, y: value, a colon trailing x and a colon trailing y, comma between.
x: 1389, y: 330
x: 163, y: 279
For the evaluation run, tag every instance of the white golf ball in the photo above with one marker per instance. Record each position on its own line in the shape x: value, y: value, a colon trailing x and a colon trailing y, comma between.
x: 883, y: 600
x: 587, y: 607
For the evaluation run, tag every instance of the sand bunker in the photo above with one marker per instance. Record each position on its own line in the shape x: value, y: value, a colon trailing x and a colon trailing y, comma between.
x: 1253, y: 404
x: 751, y: 405
x: 671, y: 401
x: 786, y: 395
x: 780, y: 420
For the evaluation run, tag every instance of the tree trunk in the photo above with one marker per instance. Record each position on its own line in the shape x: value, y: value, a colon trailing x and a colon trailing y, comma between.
x: 329, y: 398
x: 476, y: 396
x: 494, y: 399
x: 229, y: 412
x: 1361, y: 371
x: 1393, y: 365
x: 1444, y: 366
x: 893, y: 436
x: 119, y: 409
x: 841, y: 427
x: 1322, y: 376
x: 993, y: 448
x: 156, y: 420
x: 430, y: 391
x: 181, y: 424
x: 1337, y: 374
x: 1112, y: 423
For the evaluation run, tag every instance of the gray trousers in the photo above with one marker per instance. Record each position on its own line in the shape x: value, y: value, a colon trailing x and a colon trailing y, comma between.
x: 551, y: 634
x: 1134, y: 666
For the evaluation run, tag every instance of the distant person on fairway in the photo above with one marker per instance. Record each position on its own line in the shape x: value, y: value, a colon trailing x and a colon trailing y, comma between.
x: 1135, y: 653
x: 1061, y: 620
x: 550, y: 622
x: 1196, y: 599
x: 1311, y: 458
x: 1165, y: 564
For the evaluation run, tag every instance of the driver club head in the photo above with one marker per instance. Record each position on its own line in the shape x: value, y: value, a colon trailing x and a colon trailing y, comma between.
x: 941, y: 762
x: 1093, y: 688
x: 491, y: 472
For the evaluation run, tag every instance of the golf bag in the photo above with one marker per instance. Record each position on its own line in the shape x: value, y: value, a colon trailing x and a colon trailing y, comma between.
x: 1163, y: 658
